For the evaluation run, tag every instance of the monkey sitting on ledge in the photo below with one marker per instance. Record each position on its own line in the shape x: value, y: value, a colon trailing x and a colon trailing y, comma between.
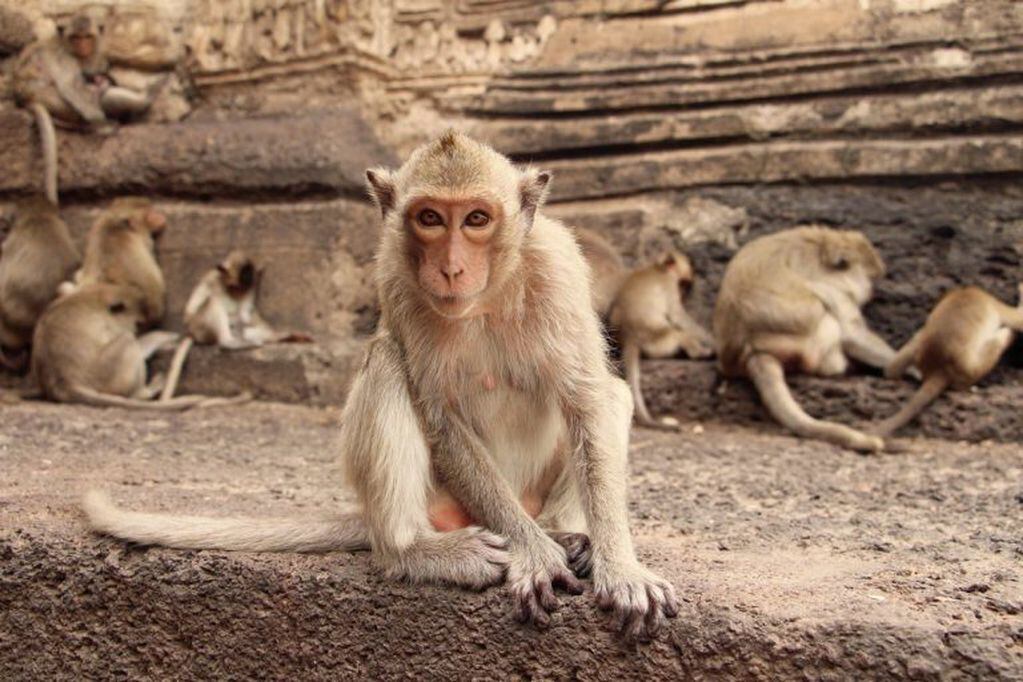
x: 487, y: 384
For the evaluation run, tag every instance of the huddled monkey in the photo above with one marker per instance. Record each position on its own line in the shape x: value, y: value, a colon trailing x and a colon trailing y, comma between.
x: 119, y: 249
x: 38, y: 254
x: 487, y: 391
x: 790, y: 301
x: 65, y: 78
x: 961, y: 342
x: 222, y: 310
x: 649, y: 318
x: 85, y: 350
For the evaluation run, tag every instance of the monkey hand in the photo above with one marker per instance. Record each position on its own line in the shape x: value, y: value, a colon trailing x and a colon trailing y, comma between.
x: 533, y: 574
x: 637, y: 597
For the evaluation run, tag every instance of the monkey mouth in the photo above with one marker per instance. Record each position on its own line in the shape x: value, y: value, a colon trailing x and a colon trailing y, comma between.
x: 453, y: 307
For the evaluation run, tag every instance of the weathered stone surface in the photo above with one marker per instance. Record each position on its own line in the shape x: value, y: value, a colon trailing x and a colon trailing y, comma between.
x: 325, y: 152
x: 793, y: 560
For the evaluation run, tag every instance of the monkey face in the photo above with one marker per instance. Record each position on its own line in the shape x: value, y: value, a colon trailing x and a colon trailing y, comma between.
x: 452, y: 241
x: 82, y: 46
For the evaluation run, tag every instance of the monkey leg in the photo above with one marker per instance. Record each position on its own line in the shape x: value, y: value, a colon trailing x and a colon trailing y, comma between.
x: 153, y: 341
x: 633, y: 374
x: 862, y: 344
x: 388, y: 462
x: 769, y: 378
x: 980, y: 362
x: 904, y: 357
x: 564, y: 519
x: 118, y: 101
x: 599, y: 433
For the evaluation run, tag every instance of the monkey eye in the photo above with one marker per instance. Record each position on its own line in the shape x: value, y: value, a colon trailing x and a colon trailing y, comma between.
x: 477, y: 219
x: 841, y: 264
x: 429, y: 218
x: 117, y: 308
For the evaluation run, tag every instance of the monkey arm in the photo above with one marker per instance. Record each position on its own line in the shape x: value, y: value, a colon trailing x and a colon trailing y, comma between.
x: 80, y: 99
x: 863, y: 344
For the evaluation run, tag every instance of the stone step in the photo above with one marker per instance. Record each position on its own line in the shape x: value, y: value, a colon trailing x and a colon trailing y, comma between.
x: 792, y: 559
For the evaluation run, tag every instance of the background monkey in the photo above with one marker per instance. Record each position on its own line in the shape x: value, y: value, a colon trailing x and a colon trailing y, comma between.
x: 648, y: 316
x: 65, y: 78
x: 222, y: 310
x: 37, y: 256
x: 607, y: 268
x: 961, y: 342
x: 120, y: 250
x: 85, y: 350
x: 791, y: 301
x: 488, y: 379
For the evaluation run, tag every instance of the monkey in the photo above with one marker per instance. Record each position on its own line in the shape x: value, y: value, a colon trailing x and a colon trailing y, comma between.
x: 85, y: 350
x: 607, y: 268
x: 960, y: 343
x: 649, y: 318
x: 65, y: 78
x: 38, y: 254
x: 222, y: 310
x: 487, y: 381
x: 790, y: 301
x: 119, y: 249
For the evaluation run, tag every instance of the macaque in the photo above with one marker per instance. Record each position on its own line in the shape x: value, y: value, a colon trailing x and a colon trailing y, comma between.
x: 38, y: 255
x: 649, y: 318
x: 222, y: 310
x: 65, y: 79
x: 487, y: 384
x: 120, y: 250
x: 961, y: 342
x: 85, y: 351
x: 790, y: 301
x: 607, y: 269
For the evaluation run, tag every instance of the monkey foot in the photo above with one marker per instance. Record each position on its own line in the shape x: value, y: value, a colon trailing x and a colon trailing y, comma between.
x: 577, y: 547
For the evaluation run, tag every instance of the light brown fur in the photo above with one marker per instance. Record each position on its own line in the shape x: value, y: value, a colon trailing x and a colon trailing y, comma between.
x: 649, y: 318
x: 85, y: 351
x: 38, y: 255
x: 120, y: 250
x: 961, y: 342
x: 477, y: 393
x: 607, y: 269
x: 791, y: 301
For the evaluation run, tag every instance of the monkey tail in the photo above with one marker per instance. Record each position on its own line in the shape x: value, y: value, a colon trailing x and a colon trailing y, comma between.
x: 932, y: 387
x: 95, y: 398
x: 344, y: 532
x: 177, y: 364
x: 48, y: 139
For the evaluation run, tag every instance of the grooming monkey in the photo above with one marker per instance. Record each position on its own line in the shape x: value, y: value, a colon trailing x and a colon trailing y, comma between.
x: 38, y: 255
x: 649, y: 318
x: 222, y: 310
x: 487, y: 384
x: 961, y: 342
x: 120, y: 250
x: 65, y: 78
x: 85, y: 350
x: 791, y: 301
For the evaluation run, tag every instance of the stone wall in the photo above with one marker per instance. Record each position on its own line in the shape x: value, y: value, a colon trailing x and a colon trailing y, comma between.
x: 699, y: 122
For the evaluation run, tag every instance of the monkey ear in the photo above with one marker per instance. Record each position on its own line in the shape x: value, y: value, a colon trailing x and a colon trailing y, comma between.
x: 533, y: 190
x: 381, y: 188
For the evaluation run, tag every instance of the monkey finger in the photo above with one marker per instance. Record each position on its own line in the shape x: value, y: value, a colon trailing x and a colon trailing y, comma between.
x: 567, y: 581
x: 545, y: 595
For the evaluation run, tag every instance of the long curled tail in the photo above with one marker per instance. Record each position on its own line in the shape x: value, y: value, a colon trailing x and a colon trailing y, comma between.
x: 48, y: 139
x: 343, y: 532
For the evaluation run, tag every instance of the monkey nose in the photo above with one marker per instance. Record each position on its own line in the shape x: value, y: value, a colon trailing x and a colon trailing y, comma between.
x: 451, y: 271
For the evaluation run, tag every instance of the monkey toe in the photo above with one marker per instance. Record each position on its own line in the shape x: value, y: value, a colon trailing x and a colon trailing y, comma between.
x: 577, y: 549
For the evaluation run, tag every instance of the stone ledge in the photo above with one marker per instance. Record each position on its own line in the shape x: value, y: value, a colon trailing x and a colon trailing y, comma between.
x: 793, y: 560
x: 327, y: 152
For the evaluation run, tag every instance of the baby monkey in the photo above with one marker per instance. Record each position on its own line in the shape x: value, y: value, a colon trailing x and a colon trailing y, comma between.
x: 961, y: 342
x: 222, y: 310
x: 649, y: 318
